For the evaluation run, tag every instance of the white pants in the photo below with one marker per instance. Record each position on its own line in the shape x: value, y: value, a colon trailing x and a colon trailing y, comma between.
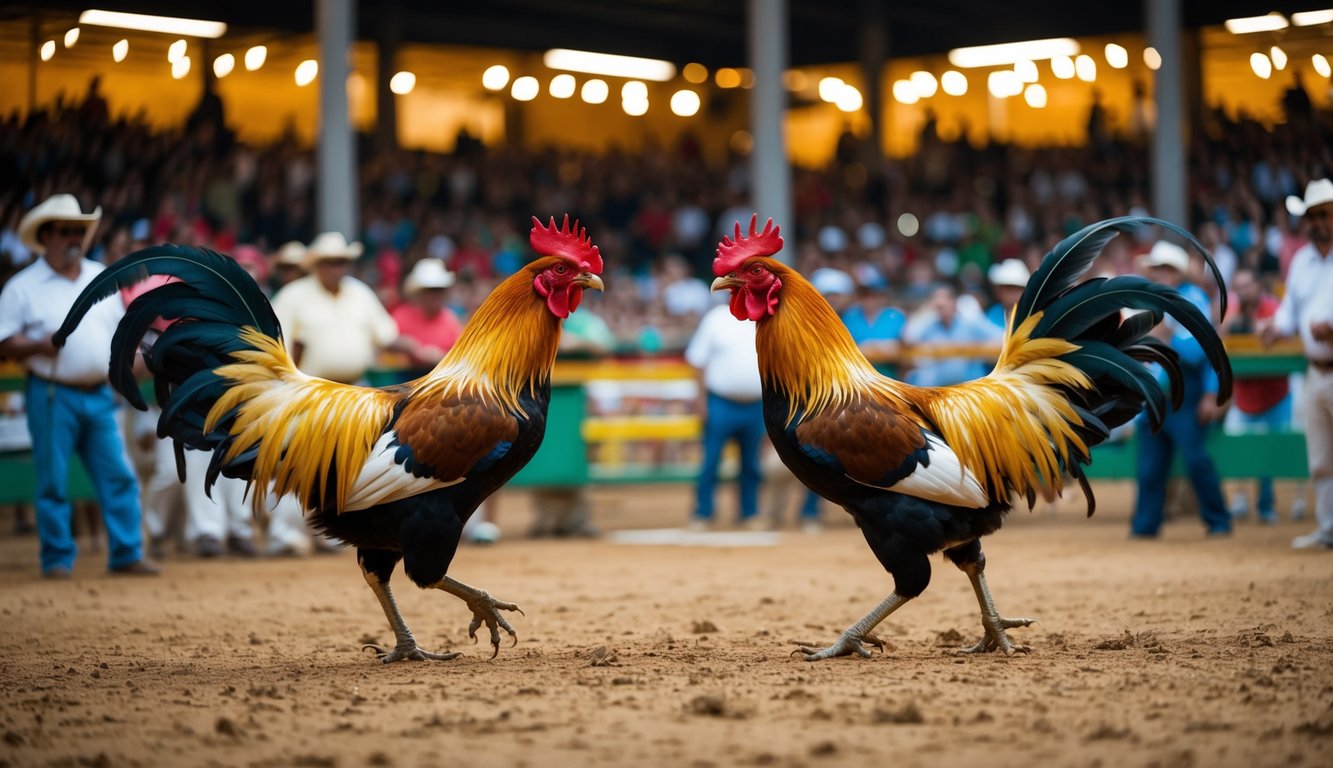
x: 225, y: 514
x: 1319, y: 445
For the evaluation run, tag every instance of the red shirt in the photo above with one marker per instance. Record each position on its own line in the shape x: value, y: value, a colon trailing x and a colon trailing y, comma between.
x: 439, y: 331
x: 1254, y: 396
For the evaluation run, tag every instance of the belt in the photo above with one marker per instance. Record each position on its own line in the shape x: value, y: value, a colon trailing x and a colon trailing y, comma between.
x: 1323, y: 365
x: 77, y: 387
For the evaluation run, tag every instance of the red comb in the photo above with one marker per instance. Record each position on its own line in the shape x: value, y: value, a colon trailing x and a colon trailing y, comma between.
x: 732, y: 253
x: 573, y: 243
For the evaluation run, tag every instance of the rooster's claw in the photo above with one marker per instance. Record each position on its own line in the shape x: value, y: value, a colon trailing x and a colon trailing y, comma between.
x: 486, y: 610
x: 407, y: 653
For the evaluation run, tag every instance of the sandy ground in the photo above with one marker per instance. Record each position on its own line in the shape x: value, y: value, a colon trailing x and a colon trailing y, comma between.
x: 1178, y: 652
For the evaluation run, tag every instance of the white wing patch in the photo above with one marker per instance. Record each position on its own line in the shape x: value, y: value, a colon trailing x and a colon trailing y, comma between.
x: 382, y: 479
x: 945, y: 480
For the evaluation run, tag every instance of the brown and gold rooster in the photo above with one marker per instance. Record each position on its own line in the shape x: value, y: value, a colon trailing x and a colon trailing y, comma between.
x: 394, y: 472
x: 929, y: 470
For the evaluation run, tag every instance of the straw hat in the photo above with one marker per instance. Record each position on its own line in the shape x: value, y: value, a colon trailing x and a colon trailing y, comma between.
x: 428, y: 273
x: 292, y: 254
x: 1164, y: 254
x: 61, y: 207
x: 1009, y: 272
x: 1317, y: 192
x: 331, y: 245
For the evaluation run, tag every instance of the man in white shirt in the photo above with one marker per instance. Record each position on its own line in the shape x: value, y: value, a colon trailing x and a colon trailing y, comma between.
x: 1307, y: 311
x: 70, y: 404
x: 723, y: 350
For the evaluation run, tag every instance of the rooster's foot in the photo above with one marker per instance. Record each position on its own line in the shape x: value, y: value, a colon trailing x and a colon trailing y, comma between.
x: 486, y: 610
x: 846, y: 645
x: 997, y: 640
x: 409, y: 652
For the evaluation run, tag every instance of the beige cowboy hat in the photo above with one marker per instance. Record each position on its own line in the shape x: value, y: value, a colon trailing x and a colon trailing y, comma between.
x: 1009, y: 272
x: 1164, y: 254
x: 427, y: 273
x: 1317, y: 192
x: 331, y: 245
x: 63, y: 207
x: 292, y: 254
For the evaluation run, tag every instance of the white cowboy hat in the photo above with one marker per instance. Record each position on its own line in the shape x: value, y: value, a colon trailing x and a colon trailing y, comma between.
x: 331, y: 245
x: 1009, y: 272
x: 1164, y: 254
x: 1317, y: 192
x: 428, y: 273
x: 292, y: 254
x: 57, y: 208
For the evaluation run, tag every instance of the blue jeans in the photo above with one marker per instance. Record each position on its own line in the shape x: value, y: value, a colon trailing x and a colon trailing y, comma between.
x: 62, y: 421
x: 1182, y: 432
x: 727, y: 420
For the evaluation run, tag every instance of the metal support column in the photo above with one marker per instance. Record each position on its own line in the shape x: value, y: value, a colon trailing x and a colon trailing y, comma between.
x: 1171, y: 134
x: 770, y: 174
x: 874, y: 54
x: 390, y: 35
x: 336, y: 191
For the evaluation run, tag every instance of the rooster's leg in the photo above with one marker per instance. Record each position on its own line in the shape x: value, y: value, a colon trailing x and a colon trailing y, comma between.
x: 373, y: 568
x: 994, y: 623
x: 850, y: 640
x: 485, y: 609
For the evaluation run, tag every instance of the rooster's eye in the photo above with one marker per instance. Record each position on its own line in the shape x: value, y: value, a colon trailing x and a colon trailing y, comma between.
x: 560, y: 269
x: 756, y: 269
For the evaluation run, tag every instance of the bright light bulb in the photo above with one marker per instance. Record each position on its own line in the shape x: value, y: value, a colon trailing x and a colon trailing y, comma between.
x: 71, y: 37
x: 594, y: 91
x: 1062, y: 67
x: 1116, y: 56
x: 1320, y: 62
x: 634, y: 90
x: 904, y: 92
x: 1085, y: 68
x: 954, y: 82
x: 1279, y: 57
x: 1035, y: 95
x: 1152, y: 59
x: 925, y: 84
x: 685, y: 103
x: 634, y: 107
x: 1004, y: 83
x: 223, y: 65
x: 908, y: 225
x: 176, y: 51
x: 525, y: 88
x: 180, y: 67
x: 306, y: 72
x: 403, y: 82
x: 255, y: 57
x: 563, y: 86
x: 830, y: 87
x: 850, y: 99
x: 495, y: 78
x: 48, y: 50
x: 1026, y: 71
x: 1261, y: 65
x: 120, y: 50
x: 727, y: 77
x: 695, y: 73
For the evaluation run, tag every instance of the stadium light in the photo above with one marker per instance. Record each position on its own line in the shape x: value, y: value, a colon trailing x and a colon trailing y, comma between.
x: 495, y: 78
x: 120, y: 50
x: 180, y: 68
x: 1026, y: 71
x: 685, y: 103
x: 695, y: 73
x: 850, y: 100
x: 954, y: 82
x: 1085, y: 68
x: 1261, y: 66
x: 176, y: 51
x: 1062, y: 67
x: 904, y: 92
x: 1321, y: 65
x: 634, y: 107
x: 594, y: 91
x: 1152, y: 59
x: 727, y: 77
x: 306, y: 72
x: 1279, y: 58
x: 608, y: 64
x: 403, y: 82
x: 146, y: 23
x: 1116, y: 56
x: 1267, y: 23
x: 223, y: 65
x: 71, y: 37
x: 1311, y: 18
x: 255, y: 57
x: 1011, y: 53
x: 925, y: 83
x: 563, y: 86
x: 525, y: 88
x: 1035, y: 95
x: 48, y: 50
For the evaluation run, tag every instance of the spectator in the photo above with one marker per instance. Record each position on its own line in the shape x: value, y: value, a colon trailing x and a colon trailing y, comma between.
x: 424, y: 318
x: 723, y: 351
x: 1185, y: 429
x: 1307, y: 311
x: 289, y: 263
x: 71, y: 407
x: 1007, y: 280
x: 940, y: 322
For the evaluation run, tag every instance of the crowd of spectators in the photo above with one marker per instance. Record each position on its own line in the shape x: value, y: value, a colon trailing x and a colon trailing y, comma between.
x: 898, y: 227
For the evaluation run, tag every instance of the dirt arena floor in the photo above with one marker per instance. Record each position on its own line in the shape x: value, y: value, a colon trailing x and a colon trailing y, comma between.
x: 1179, y: 652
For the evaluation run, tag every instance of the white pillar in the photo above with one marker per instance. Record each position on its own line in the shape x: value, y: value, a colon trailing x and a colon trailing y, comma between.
x: 770, y: 175
x: 1171, y: 134
x: 336, y: 194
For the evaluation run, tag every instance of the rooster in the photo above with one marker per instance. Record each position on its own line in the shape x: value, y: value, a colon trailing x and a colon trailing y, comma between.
x: 924, y: 470
x: 395, y: 471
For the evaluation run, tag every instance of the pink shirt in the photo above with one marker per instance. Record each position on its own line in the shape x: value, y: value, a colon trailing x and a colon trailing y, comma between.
x: 440, y: 331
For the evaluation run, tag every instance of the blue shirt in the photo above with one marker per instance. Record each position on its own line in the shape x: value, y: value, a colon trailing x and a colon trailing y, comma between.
x: 965, y: 328
x: 887, y: 325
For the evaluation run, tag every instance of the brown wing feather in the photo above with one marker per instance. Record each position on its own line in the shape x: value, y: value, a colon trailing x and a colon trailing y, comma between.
x: 871, y: 439
x: 450, y: 436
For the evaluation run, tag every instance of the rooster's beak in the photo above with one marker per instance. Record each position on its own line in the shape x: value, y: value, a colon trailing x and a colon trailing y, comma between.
x: 589, y: 280
x: 726, y: 283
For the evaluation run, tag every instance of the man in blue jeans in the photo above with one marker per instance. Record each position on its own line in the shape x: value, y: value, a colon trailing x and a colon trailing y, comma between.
x: 1186, y: 428
x: 724, y: 353
x: 70, y: 406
